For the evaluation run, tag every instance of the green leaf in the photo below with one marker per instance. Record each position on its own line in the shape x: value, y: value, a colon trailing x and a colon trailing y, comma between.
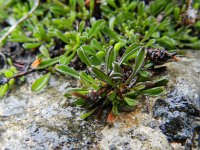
x: 101, y: 75
x: 60, y: 35
x: 67, y: 70
x: 3, y: 89
x: 66, y: 60
x: 86, y: 115
x: 112, y: 22
x: 145, y: 74
x: 11, y: 82
x: 131, y: 50
x: 130, y: 102
x: 44, y: 51
x: 161, y: 81
x: 115, y: 110
x: 88, y: 80
x: 112, y: 34
x: 141, y: 7
x: 152, y: 29
x: 8, y: 74
x: 167, y: 41
x: 110, y: 57
x: 40, y: 83
x: 153, y: 91
x: 95, y: 44
x: 138, y: 63
x: 47, y: 63
x: 83, y: 57
x: 139, y: 60
x: 69, y: 91
x: 111, y: 95
x: 88, y: 50
x: 79, y: 102
x: 96, y: 28
x: 31, y: 45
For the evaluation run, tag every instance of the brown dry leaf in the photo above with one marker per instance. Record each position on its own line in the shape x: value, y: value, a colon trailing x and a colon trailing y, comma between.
x: 111, y: 118
x: 36, y: 63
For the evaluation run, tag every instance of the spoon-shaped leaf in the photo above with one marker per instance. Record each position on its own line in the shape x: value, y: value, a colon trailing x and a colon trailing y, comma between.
x: 67, y: 70
x: 153, y: 27
x: 95, y: 28
x: 83, y: 57
x: 86, y: 115
x: 138, y: 64
x: 153, y: 91
x: 101, y: 75
x: 40, y: 83
x: 128, y: 54
x: 130, y: 101
x: 110, y: 57
x: 3, y: 89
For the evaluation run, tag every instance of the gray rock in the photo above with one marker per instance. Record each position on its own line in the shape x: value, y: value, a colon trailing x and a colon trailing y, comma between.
x: 30, y: 120
x: 179, y: 113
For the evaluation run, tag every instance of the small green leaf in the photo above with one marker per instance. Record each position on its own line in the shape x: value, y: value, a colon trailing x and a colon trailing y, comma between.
x: 88, y: 50
x: 3, y: 89
x: 44, y: 51
x: 167, y: 41
x: 86, y: 115
x: 152, y: 29
x: 154, y: 91
x: 100, y: 54
x: 11, y: 82
x: 67, y: 70
x: 110, y: 57
x: 112, y: 34
x: 79, y: 102
x: 95, y: 44
x: 40, y: 83
x: 138, y: 63
x: 145, y: 74
x: 69, y: 91
x: 111, y: 95
x: 47, y: 63
x: 131, y: 102
x: 131, y: 50
x: 115, y: 110
x: 101, y: 75
x: 8, y: 74
x: 112, y: 22
x: 139, y: 87
x: 141, y: 7
x: 139, y: 60
x: 31, y: 45
x: 96, y: 28
x: 83, y: 57
x: 161, y: 81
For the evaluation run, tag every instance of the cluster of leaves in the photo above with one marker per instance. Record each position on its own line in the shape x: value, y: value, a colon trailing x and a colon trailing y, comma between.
x: 113, y: 36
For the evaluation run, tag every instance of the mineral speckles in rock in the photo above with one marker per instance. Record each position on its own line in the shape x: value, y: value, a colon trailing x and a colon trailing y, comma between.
x: 180, y: 118
x: 31, y: 120
x: 179, y: 113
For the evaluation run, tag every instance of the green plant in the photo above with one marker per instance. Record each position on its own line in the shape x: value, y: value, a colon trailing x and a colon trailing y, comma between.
x: 110, y: 85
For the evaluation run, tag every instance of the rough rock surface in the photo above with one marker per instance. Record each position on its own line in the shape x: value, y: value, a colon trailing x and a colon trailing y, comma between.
x: 44, y: 120
x: 179, y: 113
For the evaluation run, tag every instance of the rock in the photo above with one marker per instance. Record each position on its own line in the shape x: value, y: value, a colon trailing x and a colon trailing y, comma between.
x: 44, y: 120
x: 134, y: 131
x: 179, y: 113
